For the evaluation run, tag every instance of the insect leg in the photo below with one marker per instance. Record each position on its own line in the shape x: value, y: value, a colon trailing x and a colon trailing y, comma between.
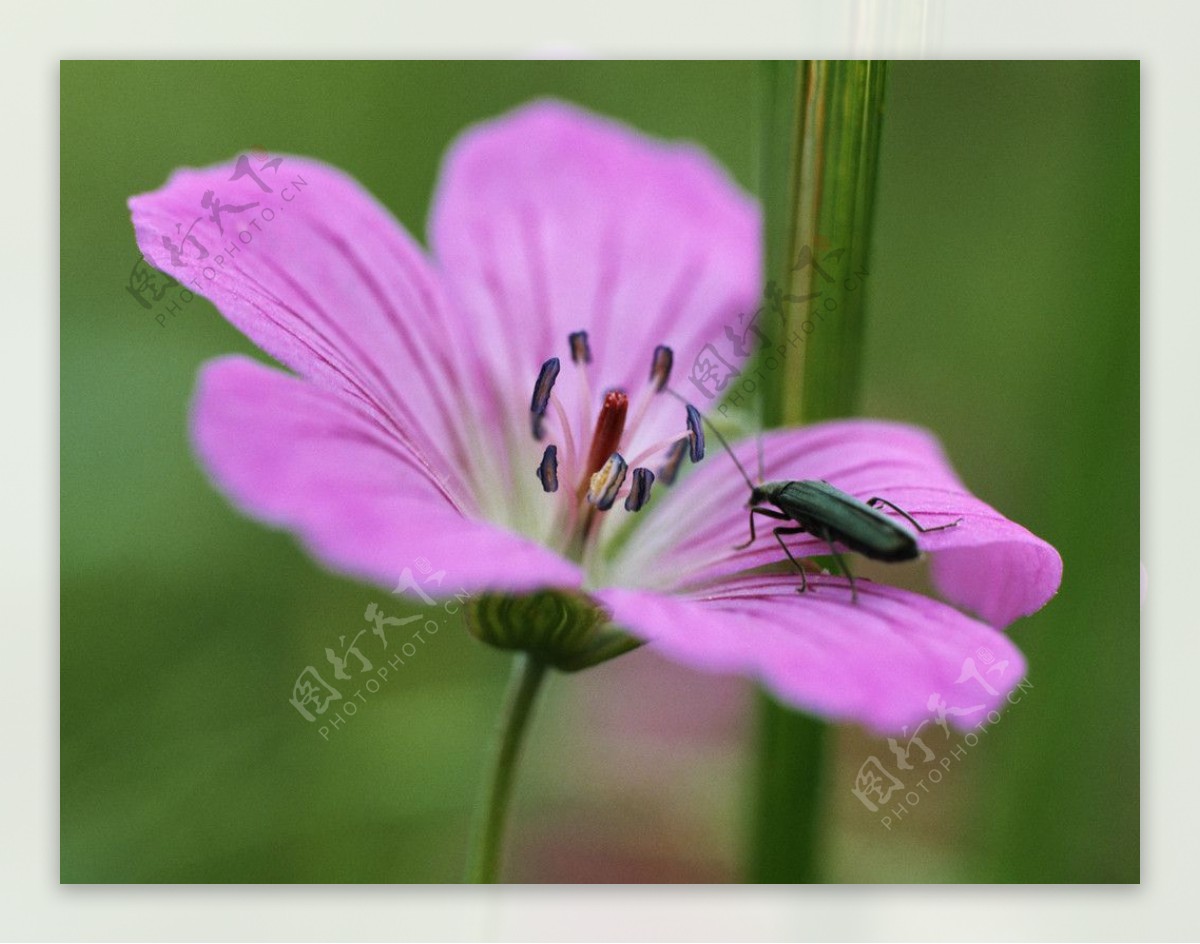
x: 909, y: 518
x: 841, y: 564
x: 779, y: 536
x: 766, y: 513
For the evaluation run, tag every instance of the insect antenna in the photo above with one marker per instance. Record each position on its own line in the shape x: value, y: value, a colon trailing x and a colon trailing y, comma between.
x: 760, y: 412
x: 721, y: 439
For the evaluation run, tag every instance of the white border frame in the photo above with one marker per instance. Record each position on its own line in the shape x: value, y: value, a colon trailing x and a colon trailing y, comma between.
x: 32, y: 904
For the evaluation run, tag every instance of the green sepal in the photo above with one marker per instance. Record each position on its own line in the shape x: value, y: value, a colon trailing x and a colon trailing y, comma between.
x: 562, y: 628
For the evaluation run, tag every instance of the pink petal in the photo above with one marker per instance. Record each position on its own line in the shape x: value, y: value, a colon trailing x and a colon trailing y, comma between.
x: 552, y: 220
x: 311, y: 462
x: 987, y: 563
x: 889, y: 661
x: 321, y: 277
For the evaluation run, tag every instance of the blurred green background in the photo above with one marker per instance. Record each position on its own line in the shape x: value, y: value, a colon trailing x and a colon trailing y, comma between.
x: 1003, y: 313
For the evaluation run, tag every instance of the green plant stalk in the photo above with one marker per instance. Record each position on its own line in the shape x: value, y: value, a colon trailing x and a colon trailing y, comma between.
x: 818, y: 158
x: 488, y: 844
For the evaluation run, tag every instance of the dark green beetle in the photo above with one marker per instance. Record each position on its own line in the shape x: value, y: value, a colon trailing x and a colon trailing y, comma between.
x: 826, y: 512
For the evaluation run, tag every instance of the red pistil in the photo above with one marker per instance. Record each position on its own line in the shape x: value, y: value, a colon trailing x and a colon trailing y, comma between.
x: 610, y: 425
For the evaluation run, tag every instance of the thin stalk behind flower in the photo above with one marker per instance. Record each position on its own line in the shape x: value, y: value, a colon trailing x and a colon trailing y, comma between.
x: 819, y: 153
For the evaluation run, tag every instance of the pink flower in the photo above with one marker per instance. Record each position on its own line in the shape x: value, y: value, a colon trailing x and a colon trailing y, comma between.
x: 405, y: 428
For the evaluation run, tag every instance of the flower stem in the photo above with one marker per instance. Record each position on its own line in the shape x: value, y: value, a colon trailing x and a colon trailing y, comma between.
x: 523, y: 685
x: 818, y: 156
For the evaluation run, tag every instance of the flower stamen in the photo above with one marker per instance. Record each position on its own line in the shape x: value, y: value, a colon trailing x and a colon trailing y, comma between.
x: 660, y: 367
x: 661, y: 446
x: 639, y: 491
x: 607, y: 481
x: 547, y: 470
x: 581, y: 357
x: 541, y: 395
x: 670, y: 470
x: 581, y: 351
x: 568, y: 436
x: 660, y: 374
x: 695, y: 433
